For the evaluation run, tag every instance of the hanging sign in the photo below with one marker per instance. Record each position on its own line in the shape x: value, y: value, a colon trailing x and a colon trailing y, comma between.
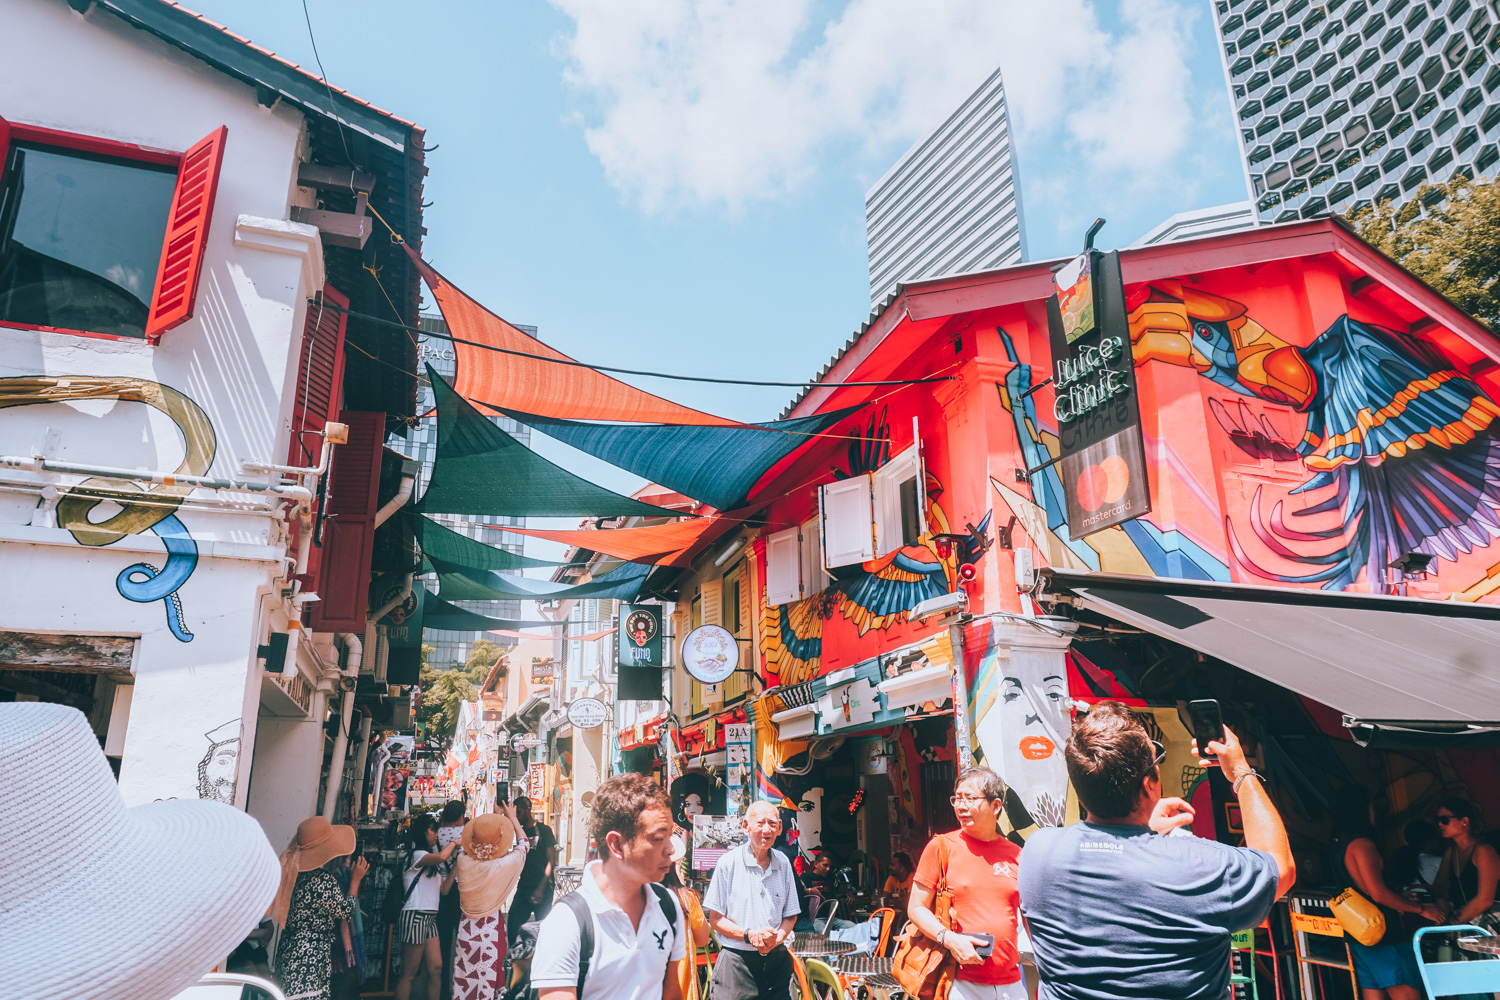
x: 525, y: 741
x: 639, y: 635
x: 538, y: 783
x: 710, y: 653
x: 586, y: 713
x: 1102, y: 456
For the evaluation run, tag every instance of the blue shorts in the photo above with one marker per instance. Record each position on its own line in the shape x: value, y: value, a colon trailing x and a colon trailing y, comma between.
x: 1385, y: 965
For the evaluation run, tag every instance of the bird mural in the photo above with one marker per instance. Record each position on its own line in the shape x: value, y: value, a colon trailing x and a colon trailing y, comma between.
x: 1399, y: 443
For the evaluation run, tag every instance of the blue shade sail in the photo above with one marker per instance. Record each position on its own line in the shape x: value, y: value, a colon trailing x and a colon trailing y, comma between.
x: 717, y: 465
x: 480, y: 469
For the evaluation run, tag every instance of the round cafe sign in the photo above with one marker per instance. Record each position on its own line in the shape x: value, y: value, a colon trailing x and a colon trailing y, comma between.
x: 710, y: 653
x: 586, y: 713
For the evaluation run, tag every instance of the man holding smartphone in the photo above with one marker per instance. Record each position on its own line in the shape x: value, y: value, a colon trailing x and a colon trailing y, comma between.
x: 980, y: 871
x: 1117, y: 911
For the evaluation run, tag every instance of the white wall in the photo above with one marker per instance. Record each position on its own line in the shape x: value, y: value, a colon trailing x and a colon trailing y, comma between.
x: 235, y: 358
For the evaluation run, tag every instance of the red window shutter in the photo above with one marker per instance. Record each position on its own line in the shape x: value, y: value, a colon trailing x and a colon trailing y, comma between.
x: 320, y: 378
x: 4, y: 145
x: 187, y: 235
x: 349, y: 526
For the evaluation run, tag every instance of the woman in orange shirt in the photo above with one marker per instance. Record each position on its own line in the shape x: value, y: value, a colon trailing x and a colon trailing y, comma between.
x: 697, y: 925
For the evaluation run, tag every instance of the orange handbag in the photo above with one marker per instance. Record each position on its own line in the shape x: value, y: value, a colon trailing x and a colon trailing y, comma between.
x: 924, y: 968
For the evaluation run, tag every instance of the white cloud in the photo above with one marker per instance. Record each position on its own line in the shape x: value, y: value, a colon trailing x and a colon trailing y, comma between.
x: 725, y: 102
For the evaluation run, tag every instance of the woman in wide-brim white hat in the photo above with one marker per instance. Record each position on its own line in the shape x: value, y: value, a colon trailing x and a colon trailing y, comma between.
x: 136, y: 902
x: 487, y: 872
x: 311, y: 904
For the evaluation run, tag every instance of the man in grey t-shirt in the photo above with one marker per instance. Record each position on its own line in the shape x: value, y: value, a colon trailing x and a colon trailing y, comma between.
x: 1117, y: 910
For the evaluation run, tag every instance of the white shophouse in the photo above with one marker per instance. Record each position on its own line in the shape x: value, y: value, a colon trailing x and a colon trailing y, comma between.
x: 171, y: 199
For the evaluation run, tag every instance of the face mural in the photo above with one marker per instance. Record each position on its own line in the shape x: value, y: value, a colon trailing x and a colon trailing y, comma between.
x: 216, y: 771
x: 1024, y: 728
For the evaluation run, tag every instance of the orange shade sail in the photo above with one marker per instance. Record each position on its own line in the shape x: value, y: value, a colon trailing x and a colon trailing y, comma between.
x: 526, y: 381
x: 655, y: 544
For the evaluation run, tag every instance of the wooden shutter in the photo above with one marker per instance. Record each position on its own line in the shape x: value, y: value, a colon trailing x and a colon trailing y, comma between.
x: 783, y: 567
x: 187, y: 235
x: 713, y: 602
x: 349, y: 526
x: 320, y: 377
x: 888, y: 479
x: 848, y: 521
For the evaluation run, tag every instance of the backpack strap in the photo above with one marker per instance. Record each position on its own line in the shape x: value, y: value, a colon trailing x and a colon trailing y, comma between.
x: 585, y: 917
x: 668, y: 906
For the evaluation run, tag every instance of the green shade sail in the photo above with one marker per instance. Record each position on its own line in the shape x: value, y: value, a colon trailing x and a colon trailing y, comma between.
x: 448, y: 546
x: 480, y: 469
x: 622, y: 583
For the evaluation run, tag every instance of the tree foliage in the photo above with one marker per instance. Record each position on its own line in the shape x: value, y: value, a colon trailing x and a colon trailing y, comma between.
x: 443, y: 691
x: 1449, y: 236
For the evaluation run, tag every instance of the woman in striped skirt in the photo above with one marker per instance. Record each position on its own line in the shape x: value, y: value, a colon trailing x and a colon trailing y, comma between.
x: 418, y: 930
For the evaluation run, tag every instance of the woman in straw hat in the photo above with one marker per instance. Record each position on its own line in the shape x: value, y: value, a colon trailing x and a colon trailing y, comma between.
x: 138, y: 902
x: 311, y: 905
x: 487, y: 872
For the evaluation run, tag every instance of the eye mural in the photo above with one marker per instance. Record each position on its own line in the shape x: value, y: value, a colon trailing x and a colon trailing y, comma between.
x: 141, y: 509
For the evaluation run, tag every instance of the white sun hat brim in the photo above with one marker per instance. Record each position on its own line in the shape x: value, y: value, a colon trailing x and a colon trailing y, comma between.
x: 142, y: 904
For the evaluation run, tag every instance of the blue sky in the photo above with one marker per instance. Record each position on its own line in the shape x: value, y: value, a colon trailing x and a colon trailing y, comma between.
x: 679, y: 184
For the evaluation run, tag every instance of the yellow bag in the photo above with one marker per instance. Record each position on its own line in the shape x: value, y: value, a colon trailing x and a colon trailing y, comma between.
x: 1360, y: 918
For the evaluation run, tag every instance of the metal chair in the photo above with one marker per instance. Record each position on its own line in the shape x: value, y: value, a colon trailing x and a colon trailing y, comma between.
x: 887, y: 918
x: 823, y: 982
x: 1443, y: 979
x: 831, y: 907
x: 1242, y: 948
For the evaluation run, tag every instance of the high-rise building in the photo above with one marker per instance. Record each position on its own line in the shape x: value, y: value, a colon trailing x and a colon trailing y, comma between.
x: 952, y: 203
x: 451, y: 649
x: 1347, y: 102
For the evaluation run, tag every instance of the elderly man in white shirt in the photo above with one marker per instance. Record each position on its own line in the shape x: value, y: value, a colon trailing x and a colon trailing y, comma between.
x: 636, y: 927
x: 752, y: 906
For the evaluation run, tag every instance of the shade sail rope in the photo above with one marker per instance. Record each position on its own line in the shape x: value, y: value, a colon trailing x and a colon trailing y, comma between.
x: 623, y: 371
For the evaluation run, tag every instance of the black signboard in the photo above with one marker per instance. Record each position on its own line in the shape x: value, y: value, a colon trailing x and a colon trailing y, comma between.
x: 1102, y: 458
x: 639, y: 649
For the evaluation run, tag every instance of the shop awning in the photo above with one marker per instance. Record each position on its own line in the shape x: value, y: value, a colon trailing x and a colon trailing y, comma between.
x: 1398, y: 664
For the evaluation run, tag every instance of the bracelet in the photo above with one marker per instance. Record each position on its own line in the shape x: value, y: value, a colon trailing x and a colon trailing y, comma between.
x: 1239, y: 779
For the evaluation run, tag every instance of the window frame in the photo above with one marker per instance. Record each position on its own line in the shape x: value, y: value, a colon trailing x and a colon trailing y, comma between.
x: 12, y: 132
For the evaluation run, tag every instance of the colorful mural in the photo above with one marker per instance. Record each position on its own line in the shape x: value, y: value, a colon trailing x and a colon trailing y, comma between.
x: 154, y: 511
x: 1326, y: 455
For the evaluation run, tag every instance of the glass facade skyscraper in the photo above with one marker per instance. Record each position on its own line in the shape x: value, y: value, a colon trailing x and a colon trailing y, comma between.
x: 1348, y: 102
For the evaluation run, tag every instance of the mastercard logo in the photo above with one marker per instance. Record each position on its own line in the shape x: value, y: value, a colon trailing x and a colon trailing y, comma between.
x: 1037, y: 748
x: 1102, y: 483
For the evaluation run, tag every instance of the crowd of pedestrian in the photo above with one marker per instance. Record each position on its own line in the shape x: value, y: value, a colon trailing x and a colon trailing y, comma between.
x: 1125, y: 904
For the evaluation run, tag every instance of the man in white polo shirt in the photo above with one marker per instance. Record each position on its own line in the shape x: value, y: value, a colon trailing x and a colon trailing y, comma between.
x: 637, y: 929
x: 752, y: 905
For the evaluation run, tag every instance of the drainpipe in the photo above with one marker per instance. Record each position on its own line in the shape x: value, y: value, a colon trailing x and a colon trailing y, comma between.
x: 355, y: 650
x: 38, y: 463
x: 360, y: 759
x: 395, y: 503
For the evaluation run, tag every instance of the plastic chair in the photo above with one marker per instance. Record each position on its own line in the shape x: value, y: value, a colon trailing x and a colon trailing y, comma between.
x: 1443, y: 979
x: 832, y: 907
x: 887, y: 918
x: 799, y: 972
x: 823, y: 981
x: 1242, y: 947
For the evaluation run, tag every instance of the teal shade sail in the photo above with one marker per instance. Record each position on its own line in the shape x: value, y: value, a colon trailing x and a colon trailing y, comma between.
x: 458, y: 584
x: 480, y: 469
x: 717, y: 465
x: 454, y: 549
x: 439, y: 614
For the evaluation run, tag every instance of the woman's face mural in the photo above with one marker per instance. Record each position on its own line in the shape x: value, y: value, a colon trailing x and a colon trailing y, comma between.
x: 1025, y: 729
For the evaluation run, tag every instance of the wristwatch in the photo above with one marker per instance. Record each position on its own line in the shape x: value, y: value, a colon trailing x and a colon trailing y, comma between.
x: 745, y: 935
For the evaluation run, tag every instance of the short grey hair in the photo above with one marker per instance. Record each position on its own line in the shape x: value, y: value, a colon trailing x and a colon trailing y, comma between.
x: 991, y: 786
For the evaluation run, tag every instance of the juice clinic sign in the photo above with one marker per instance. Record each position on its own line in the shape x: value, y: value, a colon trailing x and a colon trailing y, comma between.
x: 1102, y: 456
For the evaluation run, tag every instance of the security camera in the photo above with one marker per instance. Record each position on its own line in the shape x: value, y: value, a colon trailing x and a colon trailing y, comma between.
x: 943, y: 604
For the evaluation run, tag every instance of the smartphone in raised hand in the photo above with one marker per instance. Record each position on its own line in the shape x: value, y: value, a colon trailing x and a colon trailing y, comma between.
x: 1208, y: 725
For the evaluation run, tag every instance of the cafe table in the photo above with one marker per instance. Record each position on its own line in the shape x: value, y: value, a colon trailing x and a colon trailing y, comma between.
x: 810, y: 945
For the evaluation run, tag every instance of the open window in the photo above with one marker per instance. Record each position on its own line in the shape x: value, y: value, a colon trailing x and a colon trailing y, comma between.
x: 99, y: 237
x: 869, y: 516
